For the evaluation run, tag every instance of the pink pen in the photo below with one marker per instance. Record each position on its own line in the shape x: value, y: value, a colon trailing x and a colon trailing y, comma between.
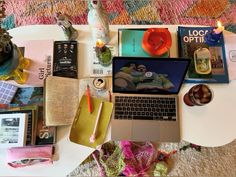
x: 93, y: 136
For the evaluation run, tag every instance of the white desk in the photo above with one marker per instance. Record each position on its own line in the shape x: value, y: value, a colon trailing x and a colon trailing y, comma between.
x: 210, y: 125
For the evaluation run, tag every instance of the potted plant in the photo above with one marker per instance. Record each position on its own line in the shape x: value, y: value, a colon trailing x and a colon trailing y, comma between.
x: 12, y: 63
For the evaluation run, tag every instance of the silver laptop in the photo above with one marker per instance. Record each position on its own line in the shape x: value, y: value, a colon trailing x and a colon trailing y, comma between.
x: 145, y: 98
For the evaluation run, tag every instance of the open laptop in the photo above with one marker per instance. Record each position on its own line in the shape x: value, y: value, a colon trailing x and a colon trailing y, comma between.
x: 145, y: 97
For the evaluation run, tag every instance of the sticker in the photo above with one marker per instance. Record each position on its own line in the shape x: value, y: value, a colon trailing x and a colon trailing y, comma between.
x: 148, y: 74
x: 99, y: 83
x: 232, y: 55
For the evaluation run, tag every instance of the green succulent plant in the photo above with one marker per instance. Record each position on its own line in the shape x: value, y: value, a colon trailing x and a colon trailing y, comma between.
x: 5, y: 45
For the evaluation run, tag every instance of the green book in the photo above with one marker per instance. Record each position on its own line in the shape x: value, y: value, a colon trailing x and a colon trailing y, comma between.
x: 130, y: 43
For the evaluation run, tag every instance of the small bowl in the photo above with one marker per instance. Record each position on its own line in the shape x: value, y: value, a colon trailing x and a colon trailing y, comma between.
x: 156, y: 41
x: 198, y: 95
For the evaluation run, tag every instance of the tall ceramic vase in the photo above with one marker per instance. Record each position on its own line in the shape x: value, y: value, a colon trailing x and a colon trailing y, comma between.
x: 98, y: 21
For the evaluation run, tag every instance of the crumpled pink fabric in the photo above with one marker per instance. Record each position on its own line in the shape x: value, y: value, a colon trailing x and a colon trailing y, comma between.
x: 139, y: 157
x: 27, y: 156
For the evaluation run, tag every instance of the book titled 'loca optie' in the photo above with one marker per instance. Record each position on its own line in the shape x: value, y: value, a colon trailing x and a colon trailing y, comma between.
x: 208, y: 62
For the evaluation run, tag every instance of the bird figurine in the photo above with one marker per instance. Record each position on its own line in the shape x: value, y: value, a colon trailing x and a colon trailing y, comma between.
x: 98, y: 20
x: 63, y: 21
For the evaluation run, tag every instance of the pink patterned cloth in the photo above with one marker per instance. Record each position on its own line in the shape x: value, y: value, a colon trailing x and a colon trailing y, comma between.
x: 27, y: 156
x: 138, y: 157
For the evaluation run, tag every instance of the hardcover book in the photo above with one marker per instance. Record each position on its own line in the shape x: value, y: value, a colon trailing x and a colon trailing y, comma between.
x: 44, y: 135
x: 130, y: 43
x: 13, y: 128
x: 208, y: 62
x: 40, y: 52
x: 65, y: 62
x: 32, y: 112
x: 30, y: 125
x: 28, y: 96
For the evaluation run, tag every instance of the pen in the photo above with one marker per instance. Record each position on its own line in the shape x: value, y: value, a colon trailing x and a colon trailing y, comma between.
x: 109, y: 96
x: 89, y: 99
x: 93, y: 136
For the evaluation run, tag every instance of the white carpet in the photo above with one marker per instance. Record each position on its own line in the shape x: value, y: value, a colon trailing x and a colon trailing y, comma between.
x: 218, y: 161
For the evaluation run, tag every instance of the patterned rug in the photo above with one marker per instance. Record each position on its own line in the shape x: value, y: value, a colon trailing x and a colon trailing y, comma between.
x: 199, y: 12
x: 188, y: 160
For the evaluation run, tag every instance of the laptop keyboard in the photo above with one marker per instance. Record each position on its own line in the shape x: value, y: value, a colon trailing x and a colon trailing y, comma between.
x: 145, y: 108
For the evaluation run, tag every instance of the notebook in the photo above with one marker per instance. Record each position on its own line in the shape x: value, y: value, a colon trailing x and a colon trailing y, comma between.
x: 7, y: 92
x: 145, y: 98
x: 84, y: 122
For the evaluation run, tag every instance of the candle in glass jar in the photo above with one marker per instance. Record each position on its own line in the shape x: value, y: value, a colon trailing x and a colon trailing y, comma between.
x: 213, y: 36
x: 219, y: 28
x: 103, y: 53
x: 100, y: 45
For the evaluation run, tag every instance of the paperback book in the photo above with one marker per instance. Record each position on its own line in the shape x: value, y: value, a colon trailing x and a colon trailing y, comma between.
x: 208, y: 62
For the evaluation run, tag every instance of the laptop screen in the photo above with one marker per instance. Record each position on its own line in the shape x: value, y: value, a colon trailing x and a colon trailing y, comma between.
x: 148, y: 75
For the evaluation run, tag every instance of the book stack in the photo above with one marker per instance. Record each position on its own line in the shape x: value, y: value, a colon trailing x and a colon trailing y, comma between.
x: 28, y: 102
x: 22, y: 118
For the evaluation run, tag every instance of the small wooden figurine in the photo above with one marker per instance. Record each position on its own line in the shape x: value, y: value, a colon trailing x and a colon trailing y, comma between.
x: 98, y: 20
x: 63, y: 21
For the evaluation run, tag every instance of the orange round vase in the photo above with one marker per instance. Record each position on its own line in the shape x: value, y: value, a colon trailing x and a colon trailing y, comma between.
x: 156, y: 41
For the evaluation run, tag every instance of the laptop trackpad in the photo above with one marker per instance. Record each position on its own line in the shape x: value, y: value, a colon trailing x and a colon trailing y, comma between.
x: 143, y: 130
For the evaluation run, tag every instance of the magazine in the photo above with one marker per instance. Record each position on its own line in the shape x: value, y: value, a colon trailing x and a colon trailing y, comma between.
x: 208, y: 62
